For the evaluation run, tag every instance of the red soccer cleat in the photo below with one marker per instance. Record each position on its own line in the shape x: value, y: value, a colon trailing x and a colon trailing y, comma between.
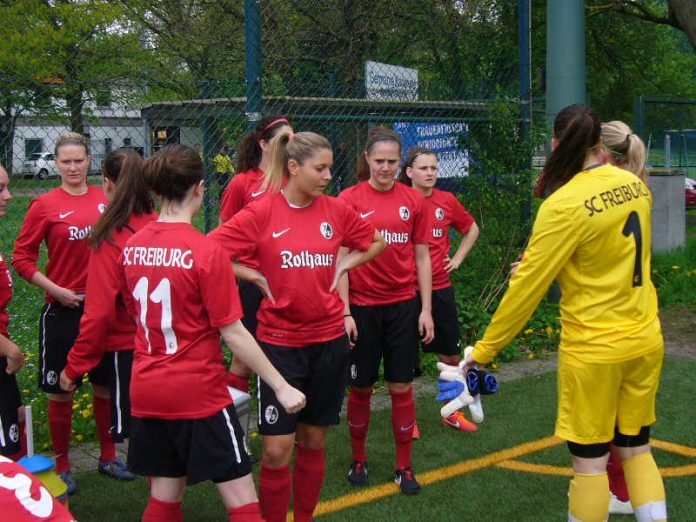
x: 459, y: 422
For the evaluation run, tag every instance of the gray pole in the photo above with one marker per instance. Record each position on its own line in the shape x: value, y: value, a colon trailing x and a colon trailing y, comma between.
x: 565, y: 55
x: 254, y: 93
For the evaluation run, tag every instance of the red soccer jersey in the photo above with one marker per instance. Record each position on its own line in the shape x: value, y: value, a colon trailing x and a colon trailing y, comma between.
x: 297, y: 250
x: 399, y: 216
x: 244, y: 189
x: 64, y: 221
x: 106, y: 324
x: 445, y: 211
x: 23, y: 498
x: 181, y: 287
x: 5, y: 295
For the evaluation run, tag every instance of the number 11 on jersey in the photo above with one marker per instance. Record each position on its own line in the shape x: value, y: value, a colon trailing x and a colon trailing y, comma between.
x: 161, y: 295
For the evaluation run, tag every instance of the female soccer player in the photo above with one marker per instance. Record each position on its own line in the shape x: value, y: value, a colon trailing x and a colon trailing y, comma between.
x: 381, y: 304
x: 245, y: 188
x: 63, y: 219
x: 295, y: 235
x: 624, y: 149
x: 592, y: 234
x: 106, y: 328
x: 420, y: 172
x: 180, y: 285
x: 11, y: 357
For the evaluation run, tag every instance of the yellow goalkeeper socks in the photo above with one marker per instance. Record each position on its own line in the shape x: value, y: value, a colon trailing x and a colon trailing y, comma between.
x: 588, y: 498
x: 645, y: 488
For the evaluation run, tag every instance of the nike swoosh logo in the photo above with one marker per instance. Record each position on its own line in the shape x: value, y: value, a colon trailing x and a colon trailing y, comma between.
x: 365, y: 214
x: 278, y: 234
x: 256, y: 194
x: 63, y: 216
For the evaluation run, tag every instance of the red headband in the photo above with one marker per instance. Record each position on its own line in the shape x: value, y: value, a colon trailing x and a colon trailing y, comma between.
x: 274, y: 122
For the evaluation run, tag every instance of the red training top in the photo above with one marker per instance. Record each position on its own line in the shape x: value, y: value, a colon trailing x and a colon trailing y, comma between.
x: 181, y: 287
x: 106, y: 325
x: 297, y: 250
x: 244, y: 188
x: 5, y: 295
x: 64, y: 221
x: 445, y: 211
x: 23, y: 498
x: 399, y: 216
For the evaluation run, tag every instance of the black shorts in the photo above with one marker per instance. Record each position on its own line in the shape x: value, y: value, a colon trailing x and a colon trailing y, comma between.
x: 10, y: 401
x: 58, y: 329
x: 389, y: 331
x: 251, y: 297
x: 213, y: 448
x: 447, y: 339
x: 121, y: 363
x: 319, y: 371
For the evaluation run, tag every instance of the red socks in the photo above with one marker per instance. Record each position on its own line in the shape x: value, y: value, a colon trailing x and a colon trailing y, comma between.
x: 60, y: 424
x: 403, y: 419
x: 359, y: 422
x: 102, y: 417
x: 239, y: 382
x: 307, y: 479
x: 245, y: 513
x: 159, y: 511
x: 274, y: 493
x: 617, y: 482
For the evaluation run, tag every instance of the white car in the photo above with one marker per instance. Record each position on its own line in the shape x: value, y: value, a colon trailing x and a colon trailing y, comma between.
x: 40, y: 165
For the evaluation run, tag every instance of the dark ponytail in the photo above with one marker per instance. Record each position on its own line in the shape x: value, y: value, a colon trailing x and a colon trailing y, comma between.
x: 123, y: 167
x: 577, y: 130
x: 374, y: 135
x: 249, y: 151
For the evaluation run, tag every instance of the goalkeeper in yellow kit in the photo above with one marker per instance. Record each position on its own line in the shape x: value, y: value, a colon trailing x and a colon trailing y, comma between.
x: 592, y: 234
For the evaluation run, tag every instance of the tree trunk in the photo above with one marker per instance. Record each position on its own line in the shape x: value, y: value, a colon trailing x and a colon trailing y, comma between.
x: 8, y: 122
x: 75, y: 103
x: 684, y: 13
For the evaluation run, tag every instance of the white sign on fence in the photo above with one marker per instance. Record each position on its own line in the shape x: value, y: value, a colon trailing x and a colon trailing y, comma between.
x: 390, y: 82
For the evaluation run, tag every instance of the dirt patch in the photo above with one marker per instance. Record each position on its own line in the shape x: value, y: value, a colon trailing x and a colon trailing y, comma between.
x: 679, y: 329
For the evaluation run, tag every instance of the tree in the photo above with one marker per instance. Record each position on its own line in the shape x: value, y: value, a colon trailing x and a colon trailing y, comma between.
x: 680, y: 14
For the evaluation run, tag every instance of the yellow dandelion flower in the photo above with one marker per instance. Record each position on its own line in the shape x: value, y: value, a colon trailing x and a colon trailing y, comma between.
x: 75, y: 406
x: 530, y: 356
x: 25, y: 390
x: 254, y: 434
x: 86, y: 413
x: 675, y: 267
x: 85, y: 395
x: 549, y: 331
x: 79, y: 436
x: 528, y: 331
x: 494, y: 366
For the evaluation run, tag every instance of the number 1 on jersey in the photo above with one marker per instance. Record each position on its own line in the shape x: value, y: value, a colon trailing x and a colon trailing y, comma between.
x: 160, y: 295
x: 632, y: 226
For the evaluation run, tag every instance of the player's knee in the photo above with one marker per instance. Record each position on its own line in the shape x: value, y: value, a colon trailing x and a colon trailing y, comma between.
x: 277, y: 454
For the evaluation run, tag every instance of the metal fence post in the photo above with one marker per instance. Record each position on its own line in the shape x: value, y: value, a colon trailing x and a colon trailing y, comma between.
x: 254, y: 86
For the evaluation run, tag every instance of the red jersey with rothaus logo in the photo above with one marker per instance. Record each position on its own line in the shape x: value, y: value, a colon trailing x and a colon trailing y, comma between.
x: 106, y: 325
x: 23, y: 498
x: 399, y: 216
x: 5, y: 295
x: 64, y: 221
x: 180, y: 286
x: 445, y: 211
x: 297, y: 249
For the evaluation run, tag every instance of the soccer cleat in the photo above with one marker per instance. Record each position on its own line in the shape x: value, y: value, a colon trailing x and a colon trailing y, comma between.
x: 406, y: 481
x: 416, y: 432
x: 115, y: 469
x: 357, y: 475
x: 619, y: 507
x: 67, y: 477
x: 459, y: 422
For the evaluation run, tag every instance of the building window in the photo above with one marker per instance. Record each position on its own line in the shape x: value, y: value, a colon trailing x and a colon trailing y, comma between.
x: 32, y: 146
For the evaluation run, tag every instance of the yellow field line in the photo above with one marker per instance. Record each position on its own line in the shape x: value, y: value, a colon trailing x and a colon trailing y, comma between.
x: 678, y: 471
x: 430, y: 477
x: 528, y: 467
x: 685, y: 451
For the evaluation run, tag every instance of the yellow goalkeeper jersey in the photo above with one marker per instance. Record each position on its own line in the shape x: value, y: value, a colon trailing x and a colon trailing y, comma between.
x: 593, y: 236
